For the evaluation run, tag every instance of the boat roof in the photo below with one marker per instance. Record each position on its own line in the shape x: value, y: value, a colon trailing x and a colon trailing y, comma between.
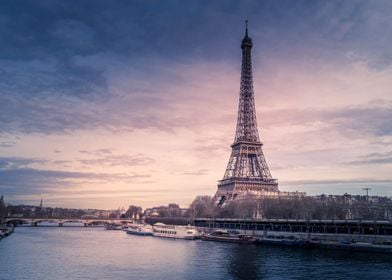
x: 159, y: 224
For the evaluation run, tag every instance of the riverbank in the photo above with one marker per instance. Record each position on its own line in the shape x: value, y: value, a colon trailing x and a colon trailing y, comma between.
x: 5, y: 231
x: 327, y: 244
x: 350, y: 235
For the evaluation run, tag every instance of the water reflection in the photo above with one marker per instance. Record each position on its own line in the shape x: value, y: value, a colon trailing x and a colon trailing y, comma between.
x: 245, y: 261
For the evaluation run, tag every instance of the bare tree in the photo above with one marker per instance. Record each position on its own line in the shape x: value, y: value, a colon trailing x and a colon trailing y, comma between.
x: 203, y: 206
x: 133, y: 211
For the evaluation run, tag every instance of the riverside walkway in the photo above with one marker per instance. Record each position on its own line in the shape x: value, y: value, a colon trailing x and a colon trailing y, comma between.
x: 311, y: 231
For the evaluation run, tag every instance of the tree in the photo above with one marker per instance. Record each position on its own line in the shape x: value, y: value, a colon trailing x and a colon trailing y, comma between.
x: 133, y: 211
x: 202, y: 206
x: 3, y: 209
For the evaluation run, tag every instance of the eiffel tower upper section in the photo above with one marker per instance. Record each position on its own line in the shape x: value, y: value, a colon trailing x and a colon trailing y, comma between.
x: 246, y: 123
x: 247, y: 170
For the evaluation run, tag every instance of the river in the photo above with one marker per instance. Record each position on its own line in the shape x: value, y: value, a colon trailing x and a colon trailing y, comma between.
x: 94, y: 253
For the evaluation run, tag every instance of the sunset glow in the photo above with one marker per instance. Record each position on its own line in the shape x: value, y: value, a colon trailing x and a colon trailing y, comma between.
x: 143, y: 110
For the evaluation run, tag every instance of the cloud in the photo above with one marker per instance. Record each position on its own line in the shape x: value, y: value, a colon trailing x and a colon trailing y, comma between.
x: 119, y: 160
x: 207, y: 146
x: 107, y: 157
x: 200, y: 172
x: 170, y: 71
x: 7, y: 144
x: 73, y: 34
x: 337, y: 181
x: 369, y: 119
x: 64, y: 72
x: 18, y: 176
x: 35, y: 181
x: 98, y: 152
x: 379, y: 186
x: 9, y: 163
x: 373, y: 158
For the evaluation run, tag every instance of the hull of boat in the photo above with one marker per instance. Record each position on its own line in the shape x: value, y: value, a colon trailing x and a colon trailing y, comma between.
x: 227, y: 239
x: 175, y: 236
x: 141, y: 233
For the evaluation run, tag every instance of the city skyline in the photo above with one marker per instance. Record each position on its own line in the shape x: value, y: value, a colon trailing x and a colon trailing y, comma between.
x: 106, y: 104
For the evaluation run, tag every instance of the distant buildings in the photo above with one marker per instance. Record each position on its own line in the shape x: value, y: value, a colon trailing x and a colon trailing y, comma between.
x: 172, y: 210
x: 30, y: 211
x: 360, y: 206
x: 271, y: 205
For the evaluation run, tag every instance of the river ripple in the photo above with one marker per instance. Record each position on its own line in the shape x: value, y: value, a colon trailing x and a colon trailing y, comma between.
x: 93, y: 253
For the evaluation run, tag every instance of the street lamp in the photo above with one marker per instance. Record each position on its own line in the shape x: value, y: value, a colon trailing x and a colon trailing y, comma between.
x: 367, y: 191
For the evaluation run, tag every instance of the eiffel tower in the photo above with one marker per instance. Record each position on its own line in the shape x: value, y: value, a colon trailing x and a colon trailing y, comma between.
x: 247, y: 171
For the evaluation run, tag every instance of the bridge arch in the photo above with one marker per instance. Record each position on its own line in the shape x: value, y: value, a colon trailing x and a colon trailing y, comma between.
x: 60, y: 221
x: 16, y: 221
x: 73, y: 221
x: 97, y: 222
x: 36, y: 222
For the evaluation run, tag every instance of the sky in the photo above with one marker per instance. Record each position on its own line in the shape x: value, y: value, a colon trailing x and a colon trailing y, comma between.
x: 111, y: 103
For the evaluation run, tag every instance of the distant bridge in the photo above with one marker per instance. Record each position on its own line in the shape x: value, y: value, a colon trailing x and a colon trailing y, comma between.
x: 61, y: 221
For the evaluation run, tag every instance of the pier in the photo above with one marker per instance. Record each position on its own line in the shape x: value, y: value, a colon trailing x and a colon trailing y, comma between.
x: 335, y: 234
x: 341, y: 227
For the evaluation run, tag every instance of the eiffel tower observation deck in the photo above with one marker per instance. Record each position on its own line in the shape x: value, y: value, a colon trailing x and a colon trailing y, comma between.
x: 247, y: 171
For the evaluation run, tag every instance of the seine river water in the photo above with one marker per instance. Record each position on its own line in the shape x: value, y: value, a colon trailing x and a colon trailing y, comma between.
x: 94, y: 253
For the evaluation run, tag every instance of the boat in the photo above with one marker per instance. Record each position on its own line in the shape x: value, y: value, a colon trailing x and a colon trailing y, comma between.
x: 173, y: 231
x: 113, y: 227
x: 225, y: 236
x: 140, y: 230
x: 5, y: 231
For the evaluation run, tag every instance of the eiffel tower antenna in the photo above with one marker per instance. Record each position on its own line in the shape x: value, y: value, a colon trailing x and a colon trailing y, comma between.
x: 247, y: 171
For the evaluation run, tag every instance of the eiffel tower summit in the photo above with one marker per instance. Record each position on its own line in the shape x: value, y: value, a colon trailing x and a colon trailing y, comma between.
x: 247, y: 171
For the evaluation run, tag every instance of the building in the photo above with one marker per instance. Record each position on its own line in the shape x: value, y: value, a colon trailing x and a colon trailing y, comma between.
x: 247, y: 172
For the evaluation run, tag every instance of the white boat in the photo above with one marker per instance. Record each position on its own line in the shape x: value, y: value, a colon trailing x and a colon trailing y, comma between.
x: 140, y: 229
x: 172, y: 231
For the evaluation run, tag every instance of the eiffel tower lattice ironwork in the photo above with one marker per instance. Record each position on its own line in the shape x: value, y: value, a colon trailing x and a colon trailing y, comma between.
x: 247, y: 170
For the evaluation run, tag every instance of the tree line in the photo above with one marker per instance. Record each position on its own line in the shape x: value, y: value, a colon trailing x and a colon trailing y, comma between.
x: 319, y: 208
